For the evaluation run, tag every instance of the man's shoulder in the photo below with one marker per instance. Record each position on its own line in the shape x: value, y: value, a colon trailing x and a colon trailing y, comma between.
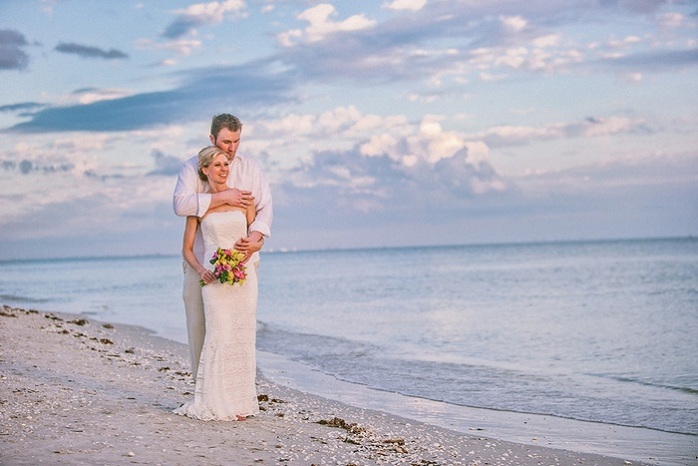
x: 192, y: 163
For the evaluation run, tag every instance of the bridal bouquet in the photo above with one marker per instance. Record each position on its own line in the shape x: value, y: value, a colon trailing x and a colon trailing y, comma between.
x: 228, y: 266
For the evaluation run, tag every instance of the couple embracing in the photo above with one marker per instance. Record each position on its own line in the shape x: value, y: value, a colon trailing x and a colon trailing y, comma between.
x: 228, y: 208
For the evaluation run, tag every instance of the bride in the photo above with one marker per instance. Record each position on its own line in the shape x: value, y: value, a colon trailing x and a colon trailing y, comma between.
x: 225, y: 380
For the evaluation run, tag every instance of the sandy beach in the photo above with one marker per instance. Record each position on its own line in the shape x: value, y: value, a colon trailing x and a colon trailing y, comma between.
x: 77, y: 391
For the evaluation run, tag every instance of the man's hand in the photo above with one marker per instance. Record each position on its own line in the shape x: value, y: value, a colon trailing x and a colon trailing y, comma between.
x: 237, y: 198
x: 251, y: 244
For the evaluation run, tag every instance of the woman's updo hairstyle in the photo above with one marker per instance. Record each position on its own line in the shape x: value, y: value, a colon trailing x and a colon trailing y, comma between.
x: 205, y: 158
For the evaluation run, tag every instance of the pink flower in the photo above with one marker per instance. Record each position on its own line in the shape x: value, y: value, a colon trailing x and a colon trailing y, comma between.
x: 228, y: 266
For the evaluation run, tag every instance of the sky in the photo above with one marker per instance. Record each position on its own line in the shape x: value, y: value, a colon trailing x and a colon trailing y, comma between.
x: 377, y: 123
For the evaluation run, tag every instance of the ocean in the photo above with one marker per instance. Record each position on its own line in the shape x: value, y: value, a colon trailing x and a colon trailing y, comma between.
x: 601, y: 331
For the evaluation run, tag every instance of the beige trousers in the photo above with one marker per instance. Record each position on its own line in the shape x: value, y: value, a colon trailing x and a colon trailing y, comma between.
x: 194, y: 308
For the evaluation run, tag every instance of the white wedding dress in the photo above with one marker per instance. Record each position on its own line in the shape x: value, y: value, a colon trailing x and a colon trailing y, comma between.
x: 225, y: 381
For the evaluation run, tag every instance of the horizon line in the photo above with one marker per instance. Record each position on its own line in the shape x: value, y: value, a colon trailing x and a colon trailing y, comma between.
x: 287, y: 250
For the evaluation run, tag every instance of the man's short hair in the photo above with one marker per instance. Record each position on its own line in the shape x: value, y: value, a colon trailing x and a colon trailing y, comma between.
x: 224, y: 120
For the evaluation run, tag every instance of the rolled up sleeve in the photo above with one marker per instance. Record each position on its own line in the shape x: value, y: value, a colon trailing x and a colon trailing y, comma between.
x: 263, y: 204
x: 190, y: 198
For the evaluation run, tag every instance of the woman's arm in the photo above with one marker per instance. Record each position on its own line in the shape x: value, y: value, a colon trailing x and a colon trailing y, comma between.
x: 190, y: 228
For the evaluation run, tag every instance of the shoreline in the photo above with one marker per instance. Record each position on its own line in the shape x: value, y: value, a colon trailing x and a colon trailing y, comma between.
x: 79, y: 391
x: 631, y: 443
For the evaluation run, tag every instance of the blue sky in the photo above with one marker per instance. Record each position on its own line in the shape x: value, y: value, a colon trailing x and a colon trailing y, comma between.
x: 394, y: 123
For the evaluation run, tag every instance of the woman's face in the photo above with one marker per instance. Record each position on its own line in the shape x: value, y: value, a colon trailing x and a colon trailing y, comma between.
x: 217, y: 172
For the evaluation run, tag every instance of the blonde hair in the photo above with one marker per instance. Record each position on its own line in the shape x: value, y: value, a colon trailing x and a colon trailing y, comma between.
x: 205, y: 158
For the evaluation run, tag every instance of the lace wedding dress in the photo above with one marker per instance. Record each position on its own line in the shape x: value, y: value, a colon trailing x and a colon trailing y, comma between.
x: 225, y: 381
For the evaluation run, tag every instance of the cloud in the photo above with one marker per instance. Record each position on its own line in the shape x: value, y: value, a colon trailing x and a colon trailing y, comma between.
x: 183, y: 47
x: 357, y: 195
x: 671, y: 20
x: 416, y: 147
x: 166, y: 165
x: 135, y: 214
x: 411, y: 5
x: 21, y: 107
x: 513, y: 24
x: 89, y: 52
x: 200, y: 94
x: 350, y: 200
x: 449, y: 43
x: 399, y: 49
x: 413, y: 167
x: 91, y: 95
x: 657, y: 61
x: 321, y: 26
x: 12, y: 57
x: 201, y: 14
x: 426, y: 171
x: 434, y: 44
x: 378, y: 167
x: 612, y: 181
x: 500, y: 136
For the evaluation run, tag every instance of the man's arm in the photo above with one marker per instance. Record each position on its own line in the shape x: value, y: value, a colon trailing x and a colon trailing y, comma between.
x: 251, y: 244
x: 233, y: 197
x: 263, y: 205
x: 191, y: 196
x: 261, y: 226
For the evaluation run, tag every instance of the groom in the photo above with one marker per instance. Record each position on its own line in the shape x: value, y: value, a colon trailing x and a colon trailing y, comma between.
x: 192, y: 198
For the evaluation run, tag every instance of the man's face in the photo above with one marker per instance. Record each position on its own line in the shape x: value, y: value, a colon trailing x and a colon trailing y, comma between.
x: 228, y: 141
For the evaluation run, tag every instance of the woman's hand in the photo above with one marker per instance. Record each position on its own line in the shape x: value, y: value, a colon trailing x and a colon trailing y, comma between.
x: 207, y: 276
